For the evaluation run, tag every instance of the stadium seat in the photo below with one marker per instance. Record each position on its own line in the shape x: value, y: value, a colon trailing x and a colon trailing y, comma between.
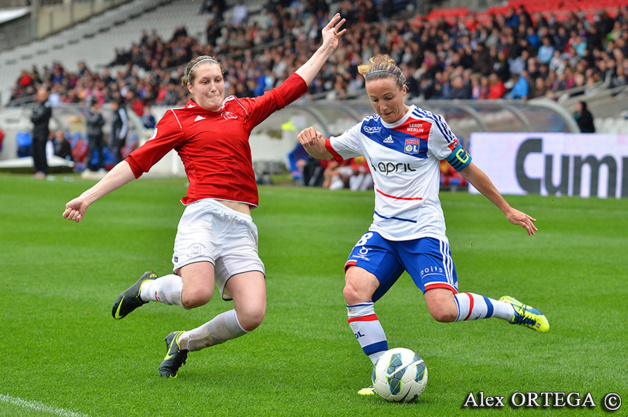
x: 109, y: 159
x: 131, y: 144
x: 24, y: 142
x: 75, y: 138
x: 79, y: 151
x: 296, y: 154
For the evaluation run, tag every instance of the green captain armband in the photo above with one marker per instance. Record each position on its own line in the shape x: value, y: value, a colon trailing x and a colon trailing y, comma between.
x: 459, y: 158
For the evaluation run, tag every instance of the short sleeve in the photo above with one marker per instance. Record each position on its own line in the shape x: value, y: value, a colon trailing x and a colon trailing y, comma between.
x: 441, y: 138
x: 259, y: 108
x: 167, y: 135
x: 443, y: 144
x: 348, y: 145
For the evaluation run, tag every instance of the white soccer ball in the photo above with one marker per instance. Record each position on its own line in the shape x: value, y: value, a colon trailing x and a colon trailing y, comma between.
x: 399, y: 375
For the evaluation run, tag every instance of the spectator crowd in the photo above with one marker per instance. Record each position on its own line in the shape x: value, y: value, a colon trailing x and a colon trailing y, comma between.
x: 514, y: 55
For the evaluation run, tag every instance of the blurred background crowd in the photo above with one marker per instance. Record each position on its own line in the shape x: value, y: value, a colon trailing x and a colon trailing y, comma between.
x: 519, y: 50
x: 508, y: 53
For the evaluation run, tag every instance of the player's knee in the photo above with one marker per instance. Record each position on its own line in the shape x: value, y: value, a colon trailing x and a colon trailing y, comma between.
x: 441, y: 305
x: 353, y: 294
x: 196, y: 297
x: 251, y: 317
x: 359, y: 286
x: 443, y: 315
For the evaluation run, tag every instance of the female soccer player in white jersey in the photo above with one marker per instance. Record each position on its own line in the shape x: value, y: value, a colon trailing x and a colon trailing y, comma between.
x: 404, y: 145
x: 216, y: 238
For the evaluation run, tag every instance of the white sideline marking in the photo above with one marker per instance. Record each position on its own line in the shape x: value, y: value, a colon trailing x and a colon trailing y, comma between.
x: 36, y: 405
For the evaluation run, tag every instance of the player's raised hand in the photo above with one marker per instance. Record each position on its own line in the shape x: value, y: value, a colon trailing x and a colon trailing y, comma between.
x: 75, y: 209
x: 309, y: 137
x: 332, y: 31
x: 517, y: 217
x: 313, y: 143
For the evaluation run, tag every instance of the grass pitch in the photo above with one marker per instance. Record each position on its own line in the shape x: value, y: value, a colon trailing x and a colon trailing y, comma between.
x: 64, y: 355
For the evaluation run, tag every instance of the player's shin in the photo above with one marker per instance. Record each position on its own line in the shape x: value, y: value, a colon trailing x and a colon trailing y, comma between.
x: 367, y: 329
x: 473, y: 307
x: 221, y: 328
x: 166, y: 289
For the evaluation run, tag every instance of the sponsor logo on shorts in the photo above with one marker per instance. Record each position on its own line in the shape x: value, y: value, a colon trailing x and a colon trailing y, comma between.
x: 362, y: 254
x: 432, y: 270
x: 196, y: 249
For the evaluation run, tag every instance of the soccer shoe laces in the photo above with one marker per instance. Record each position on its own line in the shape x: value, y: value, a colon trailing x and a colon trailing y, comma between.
x: 521, y: 317
x: 526, y: 315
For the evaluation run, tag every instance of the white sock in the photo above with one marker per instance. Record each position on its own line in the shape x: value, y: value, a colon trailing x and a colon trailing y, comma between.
x: 367, y: 329
x: 166, y: 289
x: 221, y: 328
x: 473, y: 307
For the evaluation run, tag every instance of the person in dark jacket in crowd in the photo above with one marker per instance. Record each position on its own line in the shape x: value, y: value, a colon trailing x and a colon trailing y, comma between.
x: 119, y: 129
x: 584, y: 118
x: 95, y: 122
x: 42, y: 112
x: 63, y: 148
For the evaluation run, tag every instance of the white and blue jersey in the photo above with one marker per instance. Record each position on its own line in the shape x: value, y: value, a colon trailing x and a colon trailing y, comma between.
x: 408, y: 229
x: 404, y: 159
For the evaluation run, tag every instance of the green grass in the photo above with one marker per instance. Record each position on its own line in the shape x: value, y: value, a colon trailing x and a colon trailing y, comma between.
x: 62, y: 351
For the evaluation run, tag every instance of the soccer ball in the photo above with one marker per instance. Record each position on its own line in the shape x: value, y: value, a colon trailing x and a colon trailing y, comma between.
x: 399, y: 375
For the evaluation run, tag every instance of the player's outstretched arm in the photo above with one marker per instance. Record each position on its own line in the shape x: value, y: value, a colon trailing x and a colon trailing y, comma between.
x: 331, y: 34
x: 116, y: 178
x: 313, y: 143
x: 484, y: 185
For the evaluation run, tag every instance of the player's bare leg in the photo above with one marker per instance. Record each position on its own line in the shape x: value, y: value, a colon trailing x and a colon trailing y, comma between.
x: 197, y: 289
x: 445, y: 306
x: 249, y: 299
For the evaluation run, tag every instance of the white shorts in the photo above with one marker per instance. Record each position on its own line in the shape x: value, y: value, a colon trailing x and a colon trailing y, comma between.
x: 209, y: 231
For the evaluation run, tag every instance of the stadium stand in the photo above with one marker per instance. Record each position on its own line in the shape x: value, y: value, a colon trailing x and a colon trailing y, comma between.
x: 446, y: 52
x: 161, y: 19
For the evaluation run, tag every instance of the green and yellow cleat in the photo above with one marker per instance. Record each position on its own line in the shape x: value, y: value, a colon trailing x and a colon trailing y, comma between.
x: 527, y: 316
x: 367, y: 391
x: 175, y: 356
x: 130, y: 299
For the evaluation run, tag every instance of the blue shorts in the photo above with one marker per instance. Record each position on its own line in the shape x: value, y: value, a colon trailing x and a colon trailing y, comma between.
x: 427, y: 260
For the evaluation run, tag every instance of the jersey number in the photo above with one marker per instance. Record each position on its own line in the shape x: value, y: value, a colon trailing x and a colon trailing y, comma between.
x: 364, y: 239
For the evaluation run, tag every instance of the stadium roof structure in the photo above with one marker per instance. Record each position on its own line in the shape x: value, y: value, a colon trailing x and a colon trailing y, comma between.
x: 276, y: 136
x: 463, y: 116
x: 8, y: 15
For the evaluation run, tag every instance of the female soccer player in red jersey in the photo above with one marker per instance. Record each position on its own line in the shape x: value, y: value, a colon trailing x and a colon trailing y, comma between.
x: 216, y: 239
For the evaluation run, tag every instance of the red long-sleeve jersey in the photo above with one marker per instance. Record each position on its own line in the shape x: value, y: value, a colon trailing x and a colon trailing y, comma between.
x: 214, y: 146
